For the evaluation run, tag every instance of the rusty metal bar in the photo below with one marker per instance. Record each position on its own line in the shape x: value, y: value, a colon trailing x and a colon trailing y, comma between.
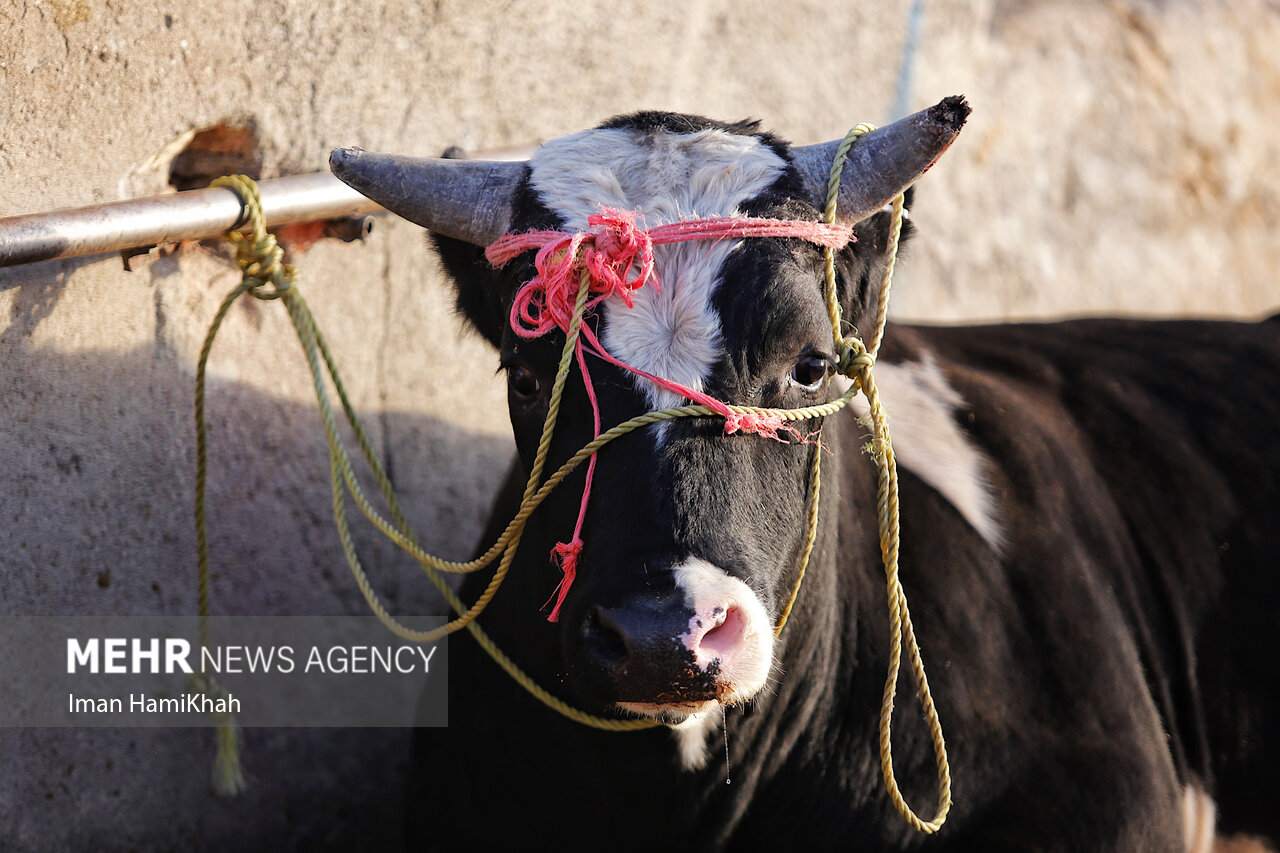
x: 191, y: 215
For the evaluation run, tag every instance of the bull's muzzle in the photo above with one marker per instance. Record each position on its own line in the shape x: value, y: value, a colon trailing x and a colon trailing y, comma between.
x: 638, y: 649
x: 670, y: 654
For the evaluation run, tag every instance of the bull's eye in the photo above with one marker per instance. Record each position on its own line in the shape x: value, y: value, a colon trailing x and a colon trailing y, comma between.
x: 810, y: 372
x: 523, y: 382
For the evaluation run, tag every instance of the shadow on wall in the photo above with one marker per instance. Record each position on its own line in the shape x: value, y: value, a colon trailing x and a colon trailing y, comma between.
x: 96, y: 487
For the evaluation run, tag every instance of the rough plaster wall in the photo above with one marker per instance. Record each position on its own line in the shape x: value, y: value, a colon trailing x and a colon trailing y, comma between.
x: 1121, y: 158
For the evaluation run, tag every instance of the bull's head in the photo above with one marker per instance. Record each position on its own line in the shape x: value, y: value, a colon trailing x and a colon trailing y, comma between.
x: 692, y: 539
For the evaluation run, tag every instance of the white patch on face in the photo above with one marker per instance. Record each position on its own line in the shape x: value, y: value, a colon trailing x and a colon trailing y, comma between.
x: 675, y: 333
x: 691, y: 739
x: 1199, y: 820
x: 927, y: 442
x: 730, y: 627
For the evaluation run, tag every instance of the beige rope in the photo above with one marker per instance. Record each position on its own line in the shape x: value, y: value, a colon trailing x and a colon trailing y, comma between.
x: 260, y: 260
x: 856, y: 361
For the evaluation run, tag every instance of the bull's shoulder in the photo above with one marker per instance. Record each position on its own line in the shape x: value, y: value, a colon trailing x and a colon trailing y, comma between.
x: 1175, y: 418
x: 1138, y: 461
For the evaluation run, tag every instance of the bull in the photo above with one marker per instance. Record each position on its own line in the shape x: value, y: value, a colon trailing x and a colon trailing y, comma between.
x: 1090, y: 516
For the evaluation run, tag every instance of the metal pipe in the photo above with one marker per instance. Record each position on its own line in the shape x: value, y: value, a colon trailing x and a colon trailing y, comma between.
x: 190, y: 215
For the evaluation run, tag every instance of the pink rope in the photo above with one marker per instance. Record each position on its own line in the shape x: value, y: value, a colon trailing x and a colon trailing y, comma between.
x: 566, y: 553
x: 610, y: 248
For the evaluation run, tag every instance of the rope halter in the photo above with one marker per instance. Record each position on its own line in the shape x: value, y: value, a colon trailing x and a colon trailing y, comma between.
x: 614, y: 257
x: 600, y: 259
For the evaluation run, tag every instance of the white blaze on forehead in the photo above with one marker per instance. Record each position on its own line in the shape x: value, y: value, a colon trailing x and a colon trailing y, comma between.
x: 675, y: 333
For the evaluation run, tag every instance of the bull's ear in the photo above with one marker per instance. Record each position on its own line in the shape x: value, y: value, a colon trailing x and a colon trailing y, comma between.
x: 478, y: 287
x: 873, y: 233
x: 865, y: 259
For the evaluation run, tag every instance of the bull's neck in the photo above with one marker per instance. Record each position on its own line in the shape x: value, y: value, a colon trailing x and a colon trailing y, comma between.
x: 831, y: 652
x: 828, y: 673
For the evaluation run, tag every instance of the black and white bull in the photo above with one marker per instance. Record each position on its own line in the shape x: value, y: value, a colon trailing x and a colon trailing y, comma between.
x: 1090, y: 540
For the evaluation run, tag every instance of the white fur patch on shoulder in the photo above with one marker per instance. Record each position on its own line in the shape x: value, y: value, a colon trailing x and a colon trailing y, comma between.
x: 692, y: 738
x: 673, y: 332
x: 927, y: 441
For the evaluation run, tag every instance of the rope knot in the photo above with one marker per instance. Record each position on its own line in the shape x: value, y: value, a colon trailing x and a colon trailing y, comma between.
x: 854, y: 359
x: 611, y: 246
x: 617, y: 237
x: 614, y: 245
x: 260, y: 257
x: 262, y: 263
x: 767, y: 425
x: 566, y: 555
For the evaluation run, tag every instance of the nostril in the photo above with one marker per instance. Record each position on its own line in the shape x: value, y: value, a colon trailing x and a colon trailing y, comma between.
x: 603, y: 638
x: 727, y: 634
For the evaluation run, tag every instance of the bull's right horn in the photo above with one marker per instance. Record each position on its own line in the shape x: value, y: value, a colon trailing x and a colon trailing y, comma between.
x: 882, y: 163
x: 464, y: 199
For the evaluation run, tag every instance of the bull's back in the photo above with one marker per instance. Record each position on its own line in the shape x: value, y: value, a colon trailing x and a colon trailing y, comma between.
x: 1179, y: 422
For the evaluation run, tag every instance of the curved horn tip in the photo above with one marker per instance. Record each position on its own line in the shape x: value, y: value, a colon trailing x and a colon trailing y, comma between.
x: 951, y: 112
x: 340, y: 158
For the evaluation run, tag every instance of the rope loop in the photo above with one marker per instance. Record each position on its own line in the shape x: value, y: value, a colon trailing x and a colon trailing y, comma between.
x: 259, y: 256
x: 576, y: 272
x: 856, y: 362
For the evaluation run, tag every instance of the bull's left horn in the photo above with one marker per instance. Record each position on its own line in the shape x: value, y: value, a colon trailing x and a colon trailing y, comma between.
x: 464, y: 199
x: 884, y: 162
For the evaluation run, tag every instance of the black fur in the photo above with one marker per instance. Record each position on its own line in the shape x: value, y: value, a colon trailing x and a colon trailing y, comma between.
x: 1117, y: 648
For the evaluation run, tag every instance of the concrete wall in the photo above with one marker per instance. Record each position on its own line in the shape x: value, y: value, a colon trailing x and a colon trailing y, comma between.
x: 1121, y: 158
